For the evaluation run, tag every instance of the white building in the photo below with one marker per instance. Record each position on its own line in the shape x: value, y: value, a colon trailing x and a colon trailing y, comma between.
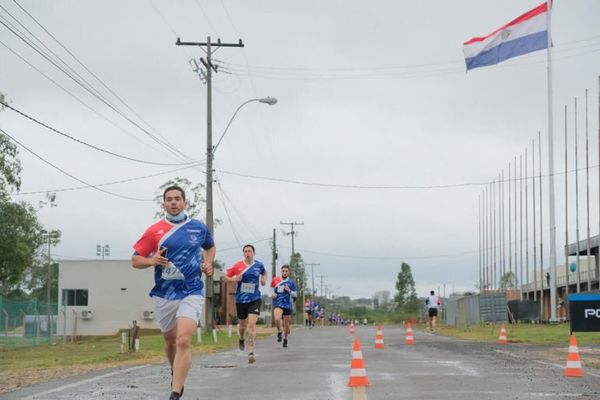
x: 99, y: 297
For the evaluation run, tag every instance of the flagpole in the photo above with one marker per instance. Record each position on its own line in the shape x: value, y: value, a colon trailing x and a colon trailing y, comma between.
x: 552, y: 221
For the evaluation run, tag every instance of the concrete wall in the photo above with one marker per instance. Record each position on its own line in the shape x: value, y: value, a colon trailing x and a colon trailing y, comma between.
x: 117, y: 295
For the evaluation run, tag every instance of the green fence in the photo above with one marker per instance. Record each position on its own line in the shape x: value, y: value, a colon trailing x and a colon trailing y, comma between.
x: 27, y: 323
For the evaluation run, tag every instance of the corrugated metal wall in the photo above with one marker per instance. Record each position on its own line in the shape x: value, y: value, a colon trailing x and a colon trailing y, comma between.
x: 488, y: 307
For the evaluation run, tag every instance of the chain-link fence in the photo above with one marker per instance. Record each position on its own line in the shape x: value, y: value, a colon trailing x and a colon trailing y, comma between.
x: 27, y: 323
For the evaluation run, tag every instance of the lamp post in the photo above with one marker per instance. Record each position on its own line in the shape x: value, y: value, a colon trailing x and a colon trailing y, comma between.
x: 210, y: 152
x: 52, y: 237
x: 103, y: 250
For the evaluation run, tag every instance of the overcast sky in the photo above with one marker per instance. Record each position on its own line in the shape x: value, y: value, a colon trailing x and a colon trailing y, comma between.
x: 370, y: 94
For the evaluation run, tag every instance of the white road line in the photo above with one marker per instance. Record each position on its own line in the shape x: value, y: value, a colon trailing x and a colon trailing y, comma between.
x: 75, y: 384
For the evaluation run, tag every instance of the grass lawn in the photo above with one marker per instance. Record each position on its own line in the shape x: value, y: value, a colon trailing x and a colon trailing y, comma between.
x: 555, y: 334
x: 23, y: 366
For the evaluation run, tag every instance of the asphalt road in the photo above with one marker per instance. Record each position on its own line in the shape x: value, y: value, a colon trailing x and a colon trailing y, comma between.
x: 316, y: 366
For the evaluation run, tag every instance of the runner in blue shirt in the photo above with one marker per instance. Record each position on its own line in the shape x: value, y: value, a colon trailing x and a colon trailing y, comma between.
x: 283, y: 294
x: 248, y: 273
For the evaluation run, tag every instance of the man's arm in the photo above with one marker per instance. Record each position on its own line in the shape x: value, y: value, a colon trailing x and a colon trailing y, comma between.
x: 207, y: 260
x: 263, y: 278
x: 141, y: 262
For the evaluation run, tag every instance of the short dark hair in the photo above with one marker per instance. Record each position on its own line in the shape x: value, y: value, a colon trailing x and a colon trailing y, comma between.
x: 432, y: 293
x: 285, y: 266
x: 173, y: 187
x: 249, y: 245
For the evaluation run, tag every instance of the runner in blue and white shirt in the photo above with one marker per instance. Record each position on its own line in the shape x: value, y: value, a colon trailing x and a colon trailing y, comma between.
x: 283, y: 292
x: 248, y: 273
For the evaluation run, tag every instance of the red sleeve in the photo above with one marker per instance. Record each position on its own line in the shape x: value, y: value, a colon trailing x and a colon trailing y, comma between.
x: 235, y: 269
x: 146, y: 244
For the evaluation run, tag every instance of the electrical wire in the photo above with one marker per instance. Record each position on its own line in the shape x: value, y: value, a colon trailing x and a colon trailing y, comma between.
x: 164, y: 143
x: 67, y: 173
x: 87, y: 144
x: 233, y: 230
x: 107, y: 183
x: 390, y: 187
x: 91, y: 72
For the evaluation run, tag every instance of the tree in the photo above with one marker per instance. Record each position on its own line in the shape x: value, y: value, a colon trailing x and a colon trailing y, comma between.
x: 508, y: 281
x: 406, y: 298
x: 20, y: 236
x: 298, y: 274
x: 194, y: 195
x: 20, y: 230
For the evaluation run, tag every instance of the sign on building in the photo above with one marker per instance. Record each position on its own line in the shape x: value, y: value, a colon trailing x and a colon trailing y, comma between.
x: 584, y: 311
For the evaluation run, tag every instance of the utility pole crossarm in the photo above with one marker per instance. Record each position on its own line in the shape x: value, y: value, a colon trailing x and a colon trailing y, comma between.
x: 218, y: 44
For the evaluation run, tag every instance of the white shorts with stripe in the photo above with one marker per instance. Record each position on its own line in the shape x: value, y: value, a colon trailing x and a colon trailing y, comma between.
x: 169, y: 310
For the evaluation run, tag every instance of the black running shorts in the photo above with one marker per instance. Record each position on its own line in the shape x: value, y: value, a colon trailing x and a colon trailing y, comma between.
x: 243, y: 309
x: 432, y: 312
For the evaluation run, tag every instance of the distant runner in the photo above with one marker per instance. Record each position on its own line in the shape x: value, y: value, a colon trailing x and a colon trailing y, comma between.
x: 283, y: 294
x: 433, y: 302
x: 248, y: 273
x: 173, y: 247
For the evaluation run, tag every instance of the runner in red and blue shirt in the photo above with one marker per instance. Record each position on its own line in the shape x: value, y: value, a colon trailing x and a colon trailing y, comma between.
x: 248, y: 273
x: 283, y: 294
x: 178, y: 248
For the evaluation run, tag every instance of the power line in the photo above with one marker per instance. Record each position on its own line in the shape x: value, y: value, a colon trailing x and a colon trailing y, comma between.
x: 87, y: 144
x: 106, y: 183
x: 91, y: 72
x: 77, y: 98
x: 385, y: 187
x: 163, y: 142
x: 67, y: 173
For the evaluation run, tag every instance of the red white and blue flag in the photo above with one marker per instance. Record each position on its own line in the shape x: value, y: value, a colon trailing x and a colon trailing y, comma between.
x: 524, y: 34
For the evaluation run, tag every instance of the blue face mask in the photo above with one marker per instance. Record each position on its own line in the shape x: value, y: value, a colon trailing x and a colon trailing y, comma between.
x: 175, y: 219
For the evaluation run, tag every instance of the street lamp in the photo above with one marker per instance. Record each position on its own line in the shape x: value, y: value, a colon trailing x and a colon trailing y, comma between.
x: 210, y: 152
x: 266, y: 100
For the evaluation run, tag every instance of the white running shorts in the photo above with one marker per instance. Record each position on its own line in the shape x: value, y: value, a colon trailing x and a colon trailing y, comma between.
x: 169, y: 310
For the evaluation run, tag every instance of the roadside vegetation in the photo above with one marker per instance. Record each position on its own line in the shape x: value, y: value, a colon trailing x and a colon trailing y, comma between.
x: 551, y: 334
x: 24, y: 366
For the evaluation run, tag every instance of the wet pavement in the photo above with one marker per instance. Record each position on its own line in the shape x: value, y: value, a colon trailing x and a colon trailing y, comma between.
x: 316, y: 366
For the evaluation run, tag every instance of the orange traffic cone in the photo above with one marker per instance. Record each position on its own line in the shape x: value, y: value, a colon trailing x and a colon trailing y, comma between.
x: 410, y: 339
x: 379, y: 338
x: 351, y: 331
x: 502, y: 338
x: 573, y: 369
x: 358, y: 374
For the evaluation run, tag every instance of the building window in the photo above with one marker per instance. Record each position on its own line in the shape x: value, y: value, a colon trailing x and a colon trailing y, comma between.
x: 75, y: 297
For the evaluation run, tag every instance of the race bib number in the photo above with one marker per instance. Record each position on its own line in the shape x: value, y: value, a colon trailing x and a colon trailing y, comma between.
x: 280, y: 289
x: 247, y: 287
x: 170, y: 272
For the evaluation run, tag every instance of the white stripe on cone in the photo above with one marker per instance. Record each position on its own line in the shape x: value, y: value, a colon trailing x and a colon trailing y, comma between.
x: 358, y: 372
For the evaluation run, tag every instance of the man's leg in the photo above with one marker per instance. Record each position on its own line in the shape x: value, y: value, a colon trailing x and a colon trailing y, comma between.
x: 170, y: 345
x: 183, y: 355
x: 277, y: 313
x: 243, y: 327
x: 252, y: 318
x: 287, y: 319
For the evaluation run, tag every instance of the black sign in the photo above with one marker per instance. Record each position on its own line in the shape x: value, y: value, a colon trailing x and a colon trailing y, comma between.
x: 584, y: 311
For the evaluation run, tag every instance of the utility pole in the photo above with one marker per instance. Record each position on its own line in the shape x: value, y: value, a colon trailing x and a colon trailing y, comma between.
x: 292, y: 233
x: 300, y: 282
x: 274, y: 256
x: 321, y: 277
x: 312, y: 274
x: 207, y: 73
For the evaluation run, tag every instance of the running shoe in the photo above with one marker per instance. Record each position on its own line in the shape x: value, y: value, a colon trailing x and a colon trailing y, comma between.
x: 251, y: 358
x: 285, y: 342
x: 174, y: 396
x: 279, y: 336
x: 242, y: 346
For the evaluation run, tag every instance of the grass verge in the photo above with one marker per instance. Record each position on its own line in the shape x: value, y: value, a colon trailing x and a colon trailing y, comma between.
x: 25, y: 366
